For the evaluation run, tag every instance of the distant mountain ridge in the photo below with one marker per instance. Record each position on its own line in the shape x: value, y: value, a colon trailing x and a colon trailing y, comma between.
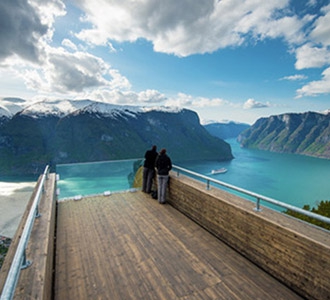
x: 226, y: 130
x: 305, y: 133
x: 67, y: 131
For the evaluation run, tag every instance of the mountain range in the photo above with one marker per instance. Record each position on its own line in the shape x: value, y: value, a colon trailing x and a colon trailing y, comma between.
x: 226, y: 130
x: 70, y: 131
x: 305, y: 133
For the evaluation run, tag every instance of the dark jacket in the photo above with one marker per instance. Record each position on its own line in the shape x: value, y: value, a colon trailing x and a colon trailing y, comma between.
x: 150, y: 158
x: 163, y: 164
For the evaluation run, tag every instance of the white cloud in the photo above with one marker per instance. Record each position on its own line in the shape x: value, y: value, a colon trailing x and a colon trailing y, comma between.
x: 64, y: 72
x: 312, y: 2
x: 151, y: 96
x: 29, y: 30
x: 294, y: 77
x: 116, y: 96
x: 315, y: 88
x: 21, y: 28
x: 186, y: 27
x: 118, y: 81
x: 184, y: 100
x: 309, y: 56
x: 26, y: 25
x: 321, y: 31
x: 182, y: 28
x: 111, y: 96
x: 252, y: 104
x: 47, y: 10
x: 69, y: 44
x: 181, y: 100
x: 316, y: 53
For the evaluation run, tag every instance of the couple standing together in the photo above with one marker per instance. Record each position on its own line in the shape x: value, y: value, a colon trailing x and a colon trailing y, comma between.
x: 163, y: 165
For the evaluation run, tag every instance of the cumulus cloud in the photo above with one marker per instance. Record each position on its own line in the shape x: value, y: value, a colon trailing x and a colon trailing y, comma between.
x: 64, y: 72
x: 315, y: 88
x: 116, y: 96
x: 252, y: 104
x: 315, y: 53
x: 187, y: 27
x: 118, y: 81
x: 310, y: 56
x: 151, y: 96
x: 321, y: 31
x: 24, y: 25
x: 69, y: 44
x: 26, y: 52
x: 181, y: 28
x: 21, y: 27
x: 184, y: 28
x: 111, y: 96
x: 184, y: 100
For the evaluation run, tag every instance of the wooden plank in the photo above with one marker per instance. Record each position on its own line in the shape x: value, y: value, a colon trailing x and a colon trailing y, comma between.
x: 127, y: 246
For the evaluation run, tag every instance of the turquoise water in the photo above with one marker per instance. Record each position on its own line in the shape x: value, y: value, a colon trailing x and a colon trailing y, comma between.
x: 289, y: 178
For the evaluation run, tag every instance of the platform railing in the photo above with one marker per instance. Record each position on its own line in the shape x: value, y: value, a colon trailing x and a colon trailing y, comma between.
x: 258, y: 197
x: 19, y: 261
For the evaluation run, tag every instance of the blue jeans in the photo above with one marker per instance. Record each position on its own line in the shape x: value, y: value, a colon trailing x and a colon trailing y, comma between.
x: 162, y: 185
x: 148, y: 175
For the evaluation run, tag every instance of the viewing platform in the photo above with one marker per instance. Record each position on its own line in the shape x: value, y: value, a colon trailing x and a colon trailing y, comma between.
x: 203, y: 244
x: 128, y: 246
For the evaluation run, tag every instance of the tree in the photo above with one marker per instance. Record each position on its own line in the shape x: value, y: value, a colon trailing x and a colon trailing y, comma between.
x: 323, y: 209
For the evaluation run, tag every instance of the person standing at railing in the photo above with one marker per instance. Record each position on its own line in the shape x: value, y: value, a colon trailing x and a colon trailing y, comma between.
x: 149, y: 169
x: 163, y: 166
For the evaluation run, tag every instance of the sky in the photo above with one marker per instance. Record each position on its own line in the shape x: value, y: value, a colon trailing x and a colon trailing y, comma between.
x: 227, y: 60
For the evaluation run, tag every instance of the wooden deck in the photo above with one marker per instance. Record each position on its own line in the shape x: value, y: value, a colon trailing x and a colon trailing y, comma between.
x: 127, y: 246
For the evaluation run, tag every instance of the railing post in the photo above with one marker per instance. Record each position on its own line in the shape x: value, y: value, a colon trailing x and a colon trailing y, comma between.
x: 25, y: 263
x: 257, y: 208
x: 208, y: 184
x: 38, y: 214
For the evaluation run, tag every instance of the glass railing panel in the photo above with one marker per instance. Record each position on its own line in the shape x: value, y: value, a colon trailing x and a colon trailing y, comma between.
x: 98, y: 177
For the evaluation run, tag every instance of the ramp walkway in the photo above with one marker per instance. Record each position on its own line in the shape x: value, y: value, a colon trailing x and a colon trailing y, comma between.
x: 128, y: 246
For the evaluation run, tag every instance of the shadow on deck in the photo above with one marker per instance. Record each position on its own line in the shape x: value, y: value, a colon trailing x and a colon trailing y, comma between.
x: 127, y: 246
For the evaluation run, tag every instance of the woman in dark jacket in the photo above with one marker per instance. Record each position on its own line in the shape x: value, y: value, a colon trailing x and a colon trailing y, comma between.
x: 163, y: 165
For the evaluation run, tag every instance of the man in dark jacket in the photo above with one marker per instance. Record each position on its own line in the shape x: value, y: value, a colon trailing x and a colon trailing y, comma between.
x: 163, y: 165
x: 149, y: 169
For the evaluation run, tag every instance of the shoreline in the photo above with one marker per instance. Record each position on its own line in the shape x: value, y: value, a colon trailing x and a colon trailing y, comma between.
x: 14, y: 196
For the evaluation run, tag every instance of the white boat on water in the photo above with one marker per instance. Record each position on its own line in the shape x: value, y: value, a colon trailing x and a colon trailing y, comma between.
x: 219, y: 171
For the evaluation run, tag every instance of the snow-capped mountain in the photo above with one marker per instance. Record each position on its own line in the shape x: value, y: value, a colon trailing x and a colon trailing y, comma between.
x: 63, y: 107
x: 10, y: 106
x: 5, y: 112
x: 59, y: 108
x: 68, y: 131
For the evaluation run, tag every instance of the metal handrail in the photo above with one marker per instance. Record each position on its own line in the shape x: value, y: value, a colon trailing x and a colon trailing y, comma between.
x: 19, y: 261
x: 252, y: 194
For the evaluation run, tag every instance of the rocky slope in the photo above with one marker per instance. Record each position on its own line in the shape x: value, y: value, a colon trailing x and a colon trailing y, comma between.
x: 306, y: 133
